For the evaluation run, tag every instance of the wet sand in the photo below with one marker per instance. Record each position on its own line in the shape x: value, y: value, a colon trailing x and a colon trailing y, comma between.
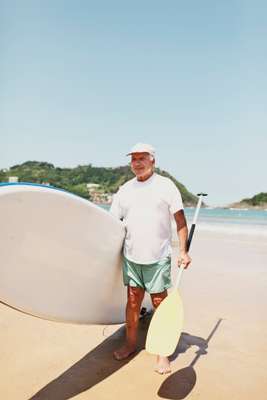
x: 221, y: 354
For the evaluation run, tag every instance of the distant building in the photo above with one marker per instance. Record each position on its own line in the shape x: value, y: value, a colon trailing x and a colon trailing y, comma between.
x: 97, y: 195
x: 13, y: 179
x: 92, y: 186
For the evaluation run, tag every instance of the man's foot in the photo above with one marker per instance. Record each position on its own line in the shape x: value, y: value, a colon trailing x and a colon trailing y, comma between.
x: 124, y: 352
x: 163, y: 365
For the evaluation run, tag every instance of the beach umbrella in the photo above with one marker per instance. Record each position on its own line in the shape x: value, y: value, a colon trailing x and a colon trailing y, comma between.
x: 167, y: 322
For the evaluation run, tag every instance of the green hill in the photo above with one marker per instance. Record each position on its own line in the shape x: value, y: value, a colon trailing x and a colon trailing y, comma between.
x: 76, y: 179
x: 258, y: 201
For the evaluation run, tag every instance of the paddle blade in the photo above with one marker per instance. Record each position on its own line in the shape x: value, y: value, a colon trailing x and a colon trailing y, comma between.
x: 166, y: 326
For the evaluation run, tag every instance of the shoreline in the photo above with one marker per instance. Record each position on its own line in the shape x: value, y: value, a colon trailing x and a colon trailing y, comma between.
x: 246, y: 207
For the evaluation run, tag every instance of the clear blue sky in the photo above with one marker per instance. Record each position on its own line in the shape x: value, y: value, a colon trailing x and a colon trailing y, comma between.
x: 83, y: 81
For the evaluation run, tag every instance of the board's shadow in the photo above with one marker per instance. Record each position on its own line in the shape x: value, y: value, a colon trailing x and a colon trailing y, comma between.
x: 93, y: 368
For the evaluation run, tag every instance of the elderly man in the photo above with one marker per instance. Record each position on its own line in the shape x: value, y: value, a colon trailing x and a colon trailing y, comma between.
x: 146, y: 204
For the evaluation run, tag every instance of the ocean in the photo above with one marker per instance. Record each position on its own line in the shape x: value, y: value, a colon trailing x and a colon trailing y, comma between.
x: 229, y: 221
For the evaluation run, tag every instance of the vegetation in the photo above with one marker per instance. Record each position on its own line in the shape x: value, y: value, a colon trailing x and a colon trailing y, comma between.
x: 258, y: 200
x: 76, y: 179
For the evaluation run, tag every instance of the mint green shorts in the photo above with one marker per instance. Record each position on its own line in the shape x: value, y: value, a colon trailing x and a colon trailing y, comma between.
x: 153, y: 278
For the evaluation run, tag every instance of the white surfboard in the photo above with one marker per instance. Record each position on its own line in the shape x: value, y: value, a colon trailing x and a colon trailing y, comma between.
x: 60, y: 256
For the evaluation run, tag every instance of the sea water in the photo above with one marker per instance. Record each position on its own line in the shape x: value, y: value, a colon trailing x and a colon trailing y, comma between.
x: 229, y: 221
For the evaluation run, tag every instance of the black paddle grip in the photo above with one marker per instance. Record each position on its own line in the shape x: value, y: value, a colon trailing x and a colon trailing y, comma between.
x: 190, y: 237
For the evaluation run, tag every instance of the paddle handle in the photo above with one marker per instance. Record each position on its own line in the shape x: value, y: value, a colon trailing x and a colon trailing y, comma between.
x: 179, y: 276
x: 190, y: 237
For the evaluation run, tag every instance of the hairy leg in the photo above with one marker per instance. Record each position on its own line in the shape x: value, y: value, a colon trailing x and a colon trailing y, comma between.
x: 135, y: 297
x: 162, y: 363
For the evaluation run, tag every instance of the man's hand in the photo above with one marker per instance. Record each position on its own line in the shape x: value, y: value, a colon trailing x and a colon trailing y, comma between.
x: 183, y: 235
x: 184, y: 259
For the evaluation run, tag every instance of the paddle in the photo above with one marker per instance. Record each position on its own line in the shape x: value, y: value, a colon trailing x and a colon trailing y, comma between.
x: 166, y: 325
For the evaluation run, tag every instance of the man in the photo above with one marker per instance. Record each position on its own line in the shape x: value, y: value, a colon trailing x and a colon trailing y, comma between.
x: 146, y: 204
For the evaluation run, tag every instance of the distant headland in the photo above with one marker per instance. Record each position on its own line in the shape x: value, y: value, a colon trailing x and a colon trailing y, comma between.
x: 257, y: 202
x: 97, y: 184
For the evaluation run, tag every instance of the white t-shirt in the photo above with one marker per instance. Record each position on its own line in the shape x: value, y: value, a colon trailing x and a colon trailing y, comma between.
x: 146, y: 209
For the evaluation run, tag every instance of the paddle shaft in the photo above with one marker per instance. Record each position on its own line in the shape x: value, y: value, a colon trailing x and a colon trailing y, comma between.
x: 190, y: 237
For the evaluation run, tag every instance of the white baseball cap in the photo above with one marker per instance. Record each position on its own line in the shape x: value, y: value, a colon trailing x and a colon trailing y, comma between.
x: 142, y: 148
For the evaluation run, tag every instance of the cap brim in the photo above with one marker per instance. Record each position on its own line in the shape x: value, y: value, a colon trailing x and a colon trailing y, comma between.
x: 143, y: 151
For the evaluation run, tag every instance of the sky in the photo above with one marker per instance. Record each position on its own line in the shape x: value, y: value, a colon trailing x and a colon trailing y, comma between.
x: 83, y: 81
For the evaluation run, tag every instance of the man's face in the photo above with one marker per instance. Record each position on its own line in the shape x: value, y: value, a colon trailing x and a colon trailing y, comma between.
x: 142, y: 165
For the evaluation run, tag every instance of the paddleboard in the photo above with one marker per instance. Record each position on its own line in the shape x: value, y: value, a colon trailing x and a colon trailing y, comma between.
x: 61, y: 256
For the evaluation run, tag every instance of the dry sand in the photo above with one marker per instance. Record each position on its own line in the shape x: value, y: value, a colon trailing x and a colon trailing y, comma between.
x: 221, y: 354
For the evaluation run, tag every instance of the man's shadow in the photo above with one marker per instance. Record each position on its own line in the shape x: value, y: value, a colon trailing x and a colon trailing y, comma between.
x: 93, y: 368
x: 178, y: 385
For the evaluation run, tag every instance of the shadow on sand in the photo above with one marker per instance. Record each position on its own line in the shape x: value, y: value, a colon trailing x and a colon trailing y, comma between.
x: 178, y: 385
x: 93, y: 368
x: 99, y: 364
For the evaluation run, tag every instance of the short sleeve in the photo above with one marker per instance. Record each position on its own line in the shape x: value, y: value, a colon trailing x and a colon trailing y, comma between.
x: 175, y: 199
x: 115, y: 208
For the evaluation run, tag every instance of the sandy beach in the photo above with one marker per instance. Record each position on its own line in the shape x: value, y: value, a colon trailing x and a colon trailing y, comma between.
x: 221, y: 354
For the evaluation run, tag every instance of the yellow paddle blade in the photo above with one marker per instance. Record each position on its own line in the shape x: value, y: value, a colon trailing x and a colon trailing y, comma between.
x: 166, y: 326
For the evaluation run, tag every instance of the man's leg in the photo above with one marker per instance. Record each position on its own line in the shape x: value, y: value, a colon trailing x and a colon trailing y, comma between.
x: 135, y: 297
x: 163, y: 363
